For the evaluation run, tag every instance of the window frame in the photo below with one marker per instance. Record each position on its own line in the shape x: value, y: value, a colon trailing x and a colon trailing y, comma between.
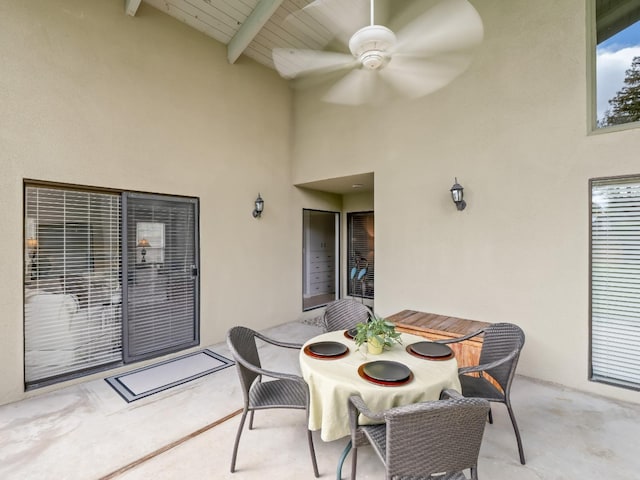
x: 307, y: 253
x: 591, y: 375
x: 349, y: 264
x: 592, y: 71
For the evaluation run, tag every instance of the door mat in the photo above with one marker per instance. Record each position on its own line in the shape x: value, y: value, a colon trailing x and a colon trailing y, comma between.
x: 152, y: 379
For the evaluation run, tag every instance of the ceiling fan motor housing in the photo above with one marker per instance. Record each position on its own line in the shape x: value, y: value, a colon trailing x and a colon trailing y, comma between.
x: 371, y: 46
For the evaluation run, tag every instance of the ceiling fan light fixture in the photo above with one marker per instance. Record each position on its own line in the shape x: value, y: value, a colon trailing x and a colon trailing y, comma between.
x: 371, y: 45
x: 428, y: 50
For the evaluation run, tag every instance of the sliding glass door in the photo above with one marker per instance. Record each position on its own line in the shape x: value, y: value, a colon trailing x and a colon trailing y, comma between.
x: 161, y: 258
x: 109, y: 278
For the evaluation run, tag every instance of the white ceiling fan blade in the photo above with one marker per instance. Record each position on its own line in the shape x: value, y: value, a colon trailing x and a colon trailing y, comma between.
x: 292, y: 62
x: 340, y: 17
x: 355, y: 88
x: 416, y: 76
x: 448, y: 26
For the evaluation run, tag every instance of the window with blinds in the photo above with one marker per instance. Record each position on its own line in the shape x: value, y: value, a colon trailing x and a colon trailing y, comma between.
x: 72, y: 301
x: 615, y: 281
x: 360, y: 254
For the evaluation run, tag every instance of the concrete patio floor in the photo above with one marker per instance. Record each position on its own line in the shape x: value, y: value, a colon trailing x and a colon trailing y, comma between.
x: 88, y: 431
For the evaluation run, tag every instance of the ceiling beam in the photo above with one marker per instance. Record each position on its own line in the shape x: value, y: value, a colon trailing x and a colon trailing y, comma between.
x: 251, y: 27
x: 131, y: 6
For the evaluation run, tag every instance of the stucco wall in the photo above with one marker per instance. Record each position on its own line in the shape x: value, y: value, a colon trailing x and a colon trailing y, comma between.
x: 513, y: 129
x: 91, y: 96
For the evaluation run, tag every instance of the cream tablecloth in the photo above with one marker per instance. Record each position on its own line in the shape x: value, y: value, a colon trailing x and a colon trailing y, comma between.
x: 331, y: 382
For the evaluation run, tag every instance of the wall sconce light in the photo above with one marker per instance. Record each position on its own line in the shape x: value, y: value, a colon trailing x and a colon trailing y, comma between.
x: 457, y: 195
x: 257, y: 212
x: 144, y: 244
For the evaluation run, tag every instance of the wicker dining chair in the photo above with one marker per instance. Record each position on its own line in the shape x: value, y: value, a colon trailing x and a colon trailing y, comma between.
x: 286, y: 391
x: 423, y: 441
x: 344, y: 314
x: 499, y: 356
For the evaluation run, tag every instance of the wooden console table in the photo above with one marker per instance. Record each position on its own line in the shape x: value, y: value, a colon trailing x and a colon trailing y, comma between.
x: 438, y: 327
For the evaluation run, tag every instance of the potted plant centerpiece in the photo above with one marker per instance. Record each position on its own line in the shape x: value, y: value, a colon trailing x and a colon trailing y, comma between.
x: 377, y: 333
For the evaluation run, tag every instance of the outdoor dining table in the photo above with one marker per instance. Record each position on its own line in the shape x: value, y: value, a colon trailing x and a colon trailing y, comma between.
x: 332, y: 380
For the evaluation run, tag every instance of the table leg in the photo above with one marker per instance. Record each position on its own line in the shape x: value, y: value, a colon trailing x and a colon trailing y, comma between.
x: 343, y: 457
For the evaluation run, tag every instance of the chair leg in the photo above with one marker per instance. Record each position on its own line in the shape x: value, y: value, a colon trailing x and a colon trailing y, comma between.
x: 354, y: 462
x: 313, y: 453
x: 490, y: 416
x: 251, y: 419
x: 235, y: 445
x: 343, y: 457
x: 515, y: 429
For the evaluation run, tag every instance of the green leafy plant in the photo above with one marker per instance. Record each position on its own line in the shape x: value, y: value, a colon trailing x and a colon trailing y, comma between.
x: 379, y: 330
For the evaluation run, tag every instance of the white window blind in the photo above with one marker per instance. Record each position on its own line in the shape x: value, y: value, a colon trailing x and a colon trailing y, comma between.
x: 72, y: 305
x: 361, y: 254
x: 615, y: 281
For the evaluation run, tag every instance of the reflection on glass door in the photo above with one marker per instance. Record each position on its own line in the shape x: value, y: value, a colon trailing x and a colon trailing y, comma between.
x: 320, y: 259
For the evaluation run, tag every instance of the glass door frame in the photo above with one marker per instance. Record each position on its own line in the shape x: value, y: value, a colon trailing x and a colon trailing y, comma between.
x: 306, y: 252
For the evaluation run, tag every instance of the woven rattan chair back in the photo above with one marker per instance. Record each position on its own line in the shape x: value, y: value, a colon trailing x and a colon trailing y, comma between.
x: 423, y: 441
x: 500, y: 339
x: 344, y: 314
x: 242, y: 343
x: 433, y: 437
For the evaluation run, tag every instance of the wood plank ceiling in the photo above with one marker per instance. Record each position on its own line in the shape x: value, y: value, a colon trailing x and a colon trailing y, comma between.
x: 249, y: 27
x: 255, y: 27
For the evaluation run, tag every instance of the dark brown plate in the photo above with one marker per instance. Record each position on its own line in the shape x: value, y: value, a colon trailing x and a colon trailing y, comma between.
x: 438, y: 353
x: 326, y: 350
x: 351, y: 333
x: 384, y: 383
x: 387, y: 371
x: 431, y: 349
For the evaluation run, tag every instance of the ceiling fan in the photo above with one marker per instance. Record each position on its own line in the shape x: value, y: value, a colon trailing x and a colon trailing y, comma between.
x: 424, y: 55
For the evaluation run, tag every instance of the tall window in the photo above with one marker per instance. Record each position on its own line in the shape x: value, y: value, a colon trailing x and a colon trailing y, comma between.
x: 360, y: 254
x: 615, y: 281
x: 617, y: 62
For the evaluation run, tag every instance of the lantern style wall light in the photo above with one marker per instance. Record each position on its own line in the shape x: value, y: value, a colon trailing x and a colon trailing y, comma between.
x: 457, y: 195
x: 257, y: 211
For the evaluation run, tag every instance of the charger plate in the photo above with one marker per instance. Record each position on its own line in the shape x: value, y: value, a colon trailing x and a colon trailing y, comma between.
x: 351, y: 333
x: 430, y: 351
x: 385, y: 372
x: 326, y: 350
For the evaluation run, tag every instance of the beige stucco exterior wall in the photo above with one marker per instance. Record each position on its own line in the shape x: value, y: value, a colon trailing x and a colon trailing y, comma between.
x: 513, y: 129
x: 91, y: 96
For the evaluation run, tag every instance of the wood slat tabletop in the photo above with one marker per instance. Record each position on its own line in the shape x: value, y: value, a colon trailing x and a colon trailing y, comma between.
x: 433, y: 323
